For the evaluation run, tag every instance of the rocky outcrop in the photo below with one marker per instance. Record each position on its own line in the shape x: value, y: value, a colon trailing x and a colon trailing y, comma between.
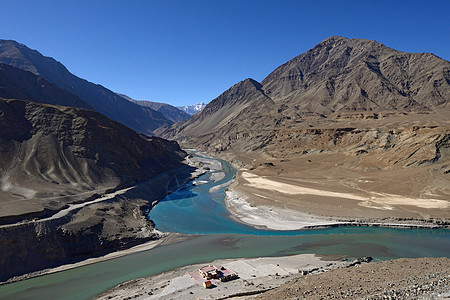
x: 93, y: 231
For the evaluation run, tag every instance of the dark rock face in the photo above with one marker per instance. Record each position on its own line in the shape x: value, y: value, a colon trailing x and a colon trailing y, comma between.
x: 89, y: 233
x: 101, y: 99
x: 24, y: 85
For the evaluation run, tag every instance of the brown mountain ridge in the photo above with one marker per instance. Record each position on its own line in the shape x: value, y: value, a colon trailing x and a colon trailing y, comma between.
x: 333, y: 85
x: 348, y: 115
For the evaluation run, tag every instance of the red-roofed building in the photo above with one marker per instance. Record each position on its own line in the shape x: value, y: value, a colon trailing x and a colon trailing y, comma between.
x: 209, y: 272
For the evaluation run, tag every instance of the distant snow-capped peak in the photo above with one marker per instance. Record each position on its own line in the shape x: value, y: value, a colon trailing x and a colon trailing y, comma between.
x: 193, y: 109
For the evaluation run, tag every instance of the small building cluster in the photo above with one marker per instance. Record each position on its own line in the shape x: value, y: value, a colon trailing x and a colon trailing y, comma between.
x: 207, y: 274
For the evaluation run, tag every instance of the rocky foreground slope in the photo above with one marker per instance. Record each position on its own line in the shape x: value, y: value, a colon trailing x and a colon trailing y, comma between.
x: 420, y: 278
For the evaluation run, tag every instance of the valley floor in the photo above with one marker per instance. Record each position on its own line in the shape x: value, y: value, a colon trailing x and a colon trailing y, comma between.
x: 327, y: 189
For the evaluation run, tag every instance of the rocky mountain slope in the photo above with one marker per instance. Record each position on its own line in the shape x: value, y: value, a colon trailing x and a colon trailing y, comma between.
x: 170, y: 112
x: 141, y: 119
x: 342, y: 74
x: 24, y: 85
x: 326, y: 99
x: 54, y: 156
x: 348, y: 115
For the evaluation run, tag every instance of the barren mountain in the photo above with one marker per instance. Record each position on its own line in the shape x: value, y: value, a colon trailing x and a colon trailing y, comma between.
x: 348, y: 115
x: 343, y: 84
x: 53, y: 155
x: 101, y: 99
x: 342, y: 74
x: 24, y: 85
x: 73, y: 183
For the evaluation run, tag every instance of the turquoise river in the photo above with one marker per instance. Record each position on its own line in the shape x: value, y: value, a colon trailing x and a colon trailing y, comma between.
x: 195, y: 211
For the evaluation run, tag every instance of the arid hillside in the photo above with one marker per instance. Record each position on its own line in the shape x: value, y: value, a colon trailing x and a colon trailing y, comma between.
x: 341, y: 83
x: 348, y: 115
x: 53, y: 155
x: 55, y: 158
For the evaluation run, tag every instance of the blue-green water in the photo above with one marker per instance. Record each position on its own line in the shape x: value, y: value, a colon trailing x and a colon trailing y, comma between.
x: 194, y: 210
x: 197, y: 211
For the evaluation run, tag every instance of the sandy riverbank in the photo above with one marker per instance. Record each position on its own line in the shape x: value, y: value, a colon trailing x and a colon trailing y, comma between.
x: 298, y: 193
x: 380, y: 200
x: 255, y: 276
x: 271, y: 217
x: 278, y: 218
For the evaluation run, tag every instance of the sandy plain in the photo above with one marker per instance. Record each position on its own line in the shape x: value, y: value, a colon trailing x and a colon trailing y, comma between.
x: 335, y: 187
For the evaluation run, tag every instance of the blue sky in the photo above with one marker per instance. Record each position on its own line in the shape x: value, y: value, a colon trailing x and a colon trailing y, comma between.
x: 185, y: 52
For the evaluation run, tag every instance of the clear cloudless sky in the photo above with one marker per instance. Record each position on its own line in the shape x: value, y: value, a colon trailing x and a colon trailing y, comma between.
x: 188, y: 51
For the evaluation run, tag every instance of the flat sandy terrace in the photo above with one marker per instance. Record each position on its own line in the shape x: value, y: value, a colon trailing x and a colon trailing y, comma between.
x: 251, y: 203
x: 256, y: 275
x: 379, y: 200
x: 327, y: 189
